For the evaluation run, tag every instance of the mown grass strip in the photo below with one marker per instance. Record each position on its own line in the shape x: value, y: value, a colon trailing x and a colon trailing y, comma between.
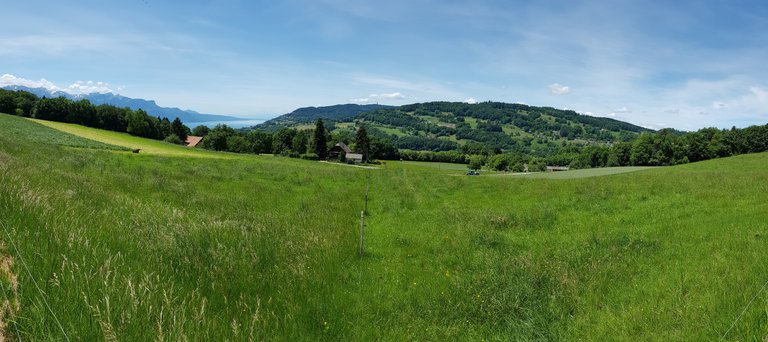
x: 20, y: 129
x: 128, y: 141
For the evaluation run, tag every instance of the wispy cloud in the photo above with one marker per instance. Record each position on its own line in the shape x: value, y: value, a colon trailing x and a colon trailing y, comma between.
x: 10, y: 80
x: 559, y: 89
x: 89, y: 87
x: 76, y: 88
x: 383, y: 97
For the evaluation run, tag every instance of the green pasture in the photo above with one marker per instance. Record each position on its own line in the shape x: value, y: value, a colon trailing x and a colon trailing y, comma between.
x: 582, y: 173
x: 164, y: 245
x: 131, y: 142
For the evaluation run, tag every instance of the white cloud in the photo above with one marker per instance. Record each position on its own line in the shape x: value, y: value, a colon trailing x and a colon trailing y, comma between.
x: 758, y: 94
x: 559, y: 89
x: 470, y: 100
x: 88, y: 87
x: 375, y: 98
x: 622, y: 109
x: 10, y: 80
x: 76, y: 88
x: 394, y: 96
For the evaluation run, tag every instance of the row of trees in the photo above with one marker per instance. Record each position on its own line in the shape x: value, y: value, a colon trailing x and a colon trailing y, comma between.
x: 83, y: 112
x: 665, y: 147
x: 308, y: 143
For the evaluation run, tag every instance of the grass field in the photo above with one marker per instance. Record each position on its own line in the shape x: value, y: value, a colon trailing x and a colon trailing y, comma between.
x: 17, y: 128
x: 585, y: 173
x: 173, y: 247
x: 458, y: 169
x: 130, y: 142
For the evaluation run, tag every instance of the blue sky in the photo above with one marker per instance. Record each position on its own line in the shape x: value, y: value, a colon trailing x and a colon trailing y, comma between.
x: 681, y: 64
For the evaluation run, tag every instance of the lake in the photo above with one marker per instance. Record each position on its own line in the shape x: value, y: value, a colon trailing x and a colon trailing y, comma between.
x: 233, y: 123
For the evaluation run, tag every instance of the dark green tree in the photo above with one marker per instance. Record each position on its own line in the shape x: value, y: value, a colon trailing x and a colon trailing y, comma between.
x: 173, y: 139
x: 283, y: 140
x: 321, y: 140
x: 300, y: 142
x: 8, y: 103
x: 476, y: 162
x: 260, y: 141
x: 239, y: 144
x: 643, y: 151
x: 217, y: 138
x: 164, y: 127
x: 112, y: 118
x: 179, y: 129
x: 362, y: 143
x: 201, y: 131
x: 383, y: 149
x: 137, y: 123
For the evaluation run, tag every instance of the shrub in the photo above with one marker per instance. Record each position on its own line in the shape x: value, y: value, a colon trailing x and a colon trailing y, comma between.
x: 173, y: 139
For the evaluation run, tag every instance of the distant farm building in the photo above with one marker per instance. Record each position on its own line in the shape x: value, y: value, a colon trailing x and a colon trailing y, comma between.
x: 192, y: 140
x: 355, y: 157
x: 342, y: 149
x: 338, y: 149
x: 557, y: 168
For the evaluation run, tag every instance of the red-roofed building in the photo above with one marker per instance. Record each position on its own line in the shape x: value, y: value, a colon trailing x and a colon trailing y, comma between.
x: 192, y: 140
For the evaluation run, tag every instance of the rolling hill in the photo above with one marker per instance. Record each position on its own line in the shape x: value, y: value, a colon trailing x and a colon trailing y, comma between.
x: 442, y: 126
x: 308, y: 115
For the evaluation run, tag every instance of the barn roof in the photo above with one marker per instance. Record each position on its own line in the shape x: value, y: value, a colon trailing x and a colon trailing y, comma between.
x: 193, y: 140
x: 344, y: 147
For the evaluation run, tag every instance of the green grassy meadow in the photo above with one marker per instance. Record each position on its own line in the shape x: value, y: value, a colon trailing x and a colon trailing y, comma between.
x: 129, y: 142
x: 171, y: 246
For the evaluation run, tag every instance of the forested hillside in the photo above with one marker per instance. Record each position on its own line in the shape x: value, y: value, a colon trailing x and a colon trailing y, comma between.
x: 307, y: 115
x: 445, y: 126
x: 506, y: 136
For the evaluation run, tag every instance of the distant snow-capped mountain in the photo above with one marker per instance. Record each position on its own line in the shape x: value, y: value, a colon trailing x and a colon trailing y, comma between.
x: 121, y: 101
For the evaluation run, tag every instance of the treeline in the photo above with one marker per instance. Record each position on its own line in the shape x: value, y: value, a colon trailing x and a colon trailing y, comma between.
x: 288, y: 142
x: 83, y: 112
x: 663, y: 148
x: 297, y: 143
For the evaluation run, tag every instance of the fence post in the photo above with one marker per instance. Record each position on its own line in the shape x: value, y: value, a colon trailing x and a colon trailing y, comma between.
x: 362, y: 232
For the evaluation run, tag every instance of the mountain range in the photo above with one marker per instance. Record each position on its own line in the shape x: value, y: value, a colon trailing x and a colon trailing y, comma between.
x: 149, y: 106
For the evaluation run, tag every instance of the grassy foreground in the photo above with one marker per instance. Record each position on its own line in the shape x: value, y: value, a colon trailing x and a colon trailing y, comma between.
x: 171, y: 246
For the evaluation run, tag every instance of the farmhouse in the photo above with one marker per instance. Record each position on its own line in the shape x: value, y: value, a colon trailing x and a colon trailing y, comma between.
x: 342, y: 149
x: 339, y: 149
x: 192, y: 140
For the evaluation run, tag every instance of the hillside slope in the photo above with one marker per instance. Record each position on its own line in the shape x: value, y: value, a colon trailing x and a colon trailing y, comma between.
x: 443, y: 126
x: 142, y: 247
x: 308, y: 115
